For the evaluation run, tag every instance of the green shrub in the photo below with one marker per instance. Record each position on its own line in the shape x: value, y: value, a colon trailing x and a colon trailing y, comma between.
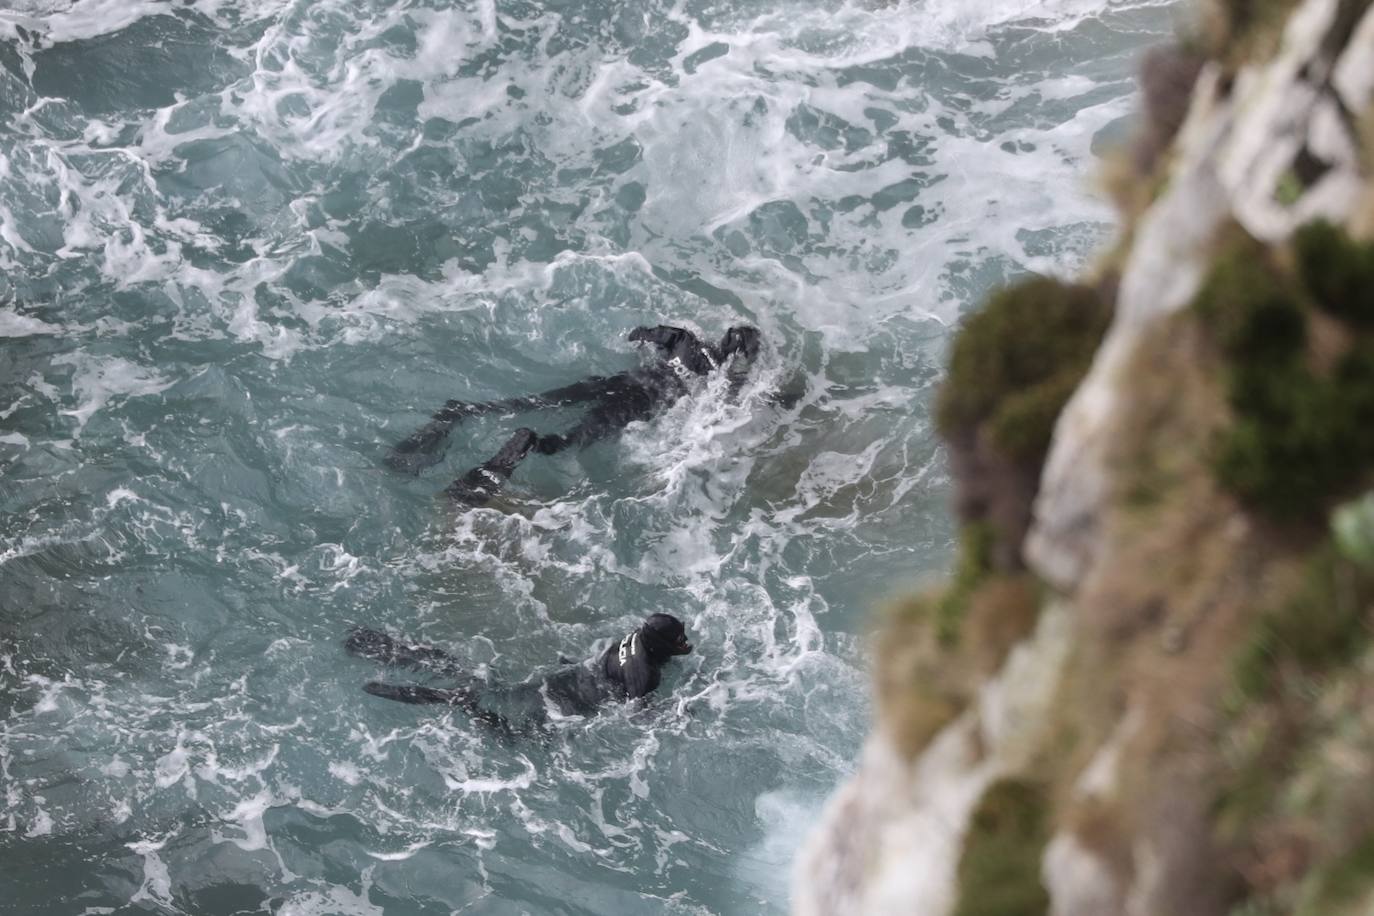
x: 999, y: 871
x: 1299, y: 439
x: 1023, y: 426
x: 1337, y: 271
x: 1255, y: 317
x: 1323, y: 626
x: 1354, y: 382
x: 1293, y: 446
x: 1015, y: 363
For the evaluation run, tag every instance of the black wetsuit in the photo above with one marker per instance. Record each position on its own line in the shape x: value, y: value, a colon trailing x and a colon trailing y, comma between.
x: 628, y: 670
x: 616, y: 401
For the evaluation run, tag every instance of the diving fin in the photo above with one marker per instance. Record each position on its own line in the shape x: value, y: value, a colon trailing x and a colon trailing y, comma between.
x: 411, y: 693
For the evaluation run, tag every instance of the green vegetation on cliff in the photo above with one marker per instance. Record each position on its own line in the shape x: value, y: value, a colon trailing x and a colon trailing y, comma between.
x: 1016, y: 362
x: 1338, y: 271
x: 1013, y: 367
x: 1211, y: 746
x: 999, y: 871
x: 1300, y: 383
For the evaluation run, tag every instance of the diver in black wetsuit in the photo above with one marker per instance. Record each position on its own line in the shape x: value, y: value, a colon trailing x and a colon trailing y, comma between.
x: 618, y: 400
x: 628, y: 670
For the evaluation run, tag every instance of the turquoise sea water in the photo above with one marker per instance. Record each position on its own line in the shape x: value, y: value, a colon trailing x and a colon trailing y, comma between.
x: 245, y: 246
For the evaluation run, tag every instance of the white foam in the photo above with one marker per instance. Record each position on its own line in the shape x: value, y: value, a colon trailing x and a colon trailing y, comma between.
x: 785, y: 818
x: 333, y: 901
x: 173, y: 766
x: 345, y: 772
x: 50, y: 691
x: 116, y: 768
x: 247, y: 814
x: 399, y: 856
x: 157, y: 881
x: 41, y: 824
x: 100, y: 379
x: 959, y: 23
x: 469, y: 785
x: 13, y: 324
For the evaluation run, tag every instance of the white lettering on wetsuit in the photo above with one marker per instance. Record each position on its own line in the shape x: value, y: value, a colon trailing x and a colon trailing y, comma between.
x: 680, y: 369
x: 629, y: 647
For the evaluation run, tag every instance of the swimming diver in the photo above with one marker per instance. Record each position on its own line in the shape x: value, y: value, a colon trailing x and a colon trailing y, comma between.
x: 617, y: 401
x: 628, y: 670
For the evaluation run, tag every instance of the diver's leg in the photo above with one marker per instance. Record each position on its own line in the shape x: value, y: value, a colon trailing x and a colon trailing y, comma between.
x: 589, y: 389
x: 462, y: 697
x: 484, y: 481
x: 612, y: 413
x: 425, y: 446
x: 378, y: 646
x: 411, y: 693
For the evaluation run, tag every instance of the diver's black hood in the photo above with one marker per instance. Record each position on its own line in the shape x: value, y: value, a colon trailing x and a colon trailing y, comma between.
x: 741, y: 339
x: 663, y: 635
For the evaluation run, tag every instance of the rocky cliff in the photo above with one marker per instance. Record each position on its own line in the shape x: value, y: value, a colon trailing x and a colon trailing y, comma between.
x: 1146, y: 687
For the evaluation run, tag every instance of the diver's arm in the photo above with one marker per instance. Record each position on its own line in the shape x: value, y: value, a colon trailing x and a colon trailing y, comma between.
x: 664, y: 336
x: 589, y: 389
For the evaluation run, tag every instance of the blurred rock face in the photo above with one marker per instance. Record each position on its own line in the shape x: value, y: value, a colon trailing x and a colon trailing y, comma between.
x: 1179, y: 729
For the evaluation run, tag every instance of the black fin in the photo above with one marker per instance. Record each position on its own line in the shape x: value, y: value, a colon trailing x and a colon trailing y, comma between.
x: 421, y: 449
x: 376, y: 645
x: 410, y: 693
x: 367, y: 643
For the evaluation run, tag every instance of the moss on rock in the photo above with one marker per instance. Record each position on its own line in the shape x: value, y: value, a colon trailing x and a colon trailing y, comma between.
x: 917, y: 690
x: 999, y: 871
x: 1254, y: 314
x: 973, y: 566
x: 1301, y: 437
x: 1016, y: 362
x: 1337, y: 271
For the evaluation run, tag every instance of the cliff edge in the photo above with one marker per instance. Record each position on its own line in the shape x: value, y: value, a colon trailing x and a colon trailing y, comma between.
x: 1146, y: 687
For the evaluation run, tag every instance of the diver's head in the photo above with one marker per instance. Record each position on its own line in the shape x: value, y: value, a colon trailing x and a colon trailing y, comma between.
x: 664, y: 634
x: 741, y: 339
